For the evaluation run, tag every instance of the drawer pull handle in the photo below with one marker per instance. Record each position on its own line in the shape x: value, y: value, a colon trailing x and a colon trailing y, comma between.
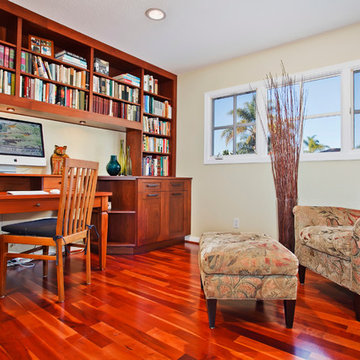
x: 176, y: 194
x: 152, y: 195
x: 176, y: 184
x: 37, y: 205
x: 152, y: 185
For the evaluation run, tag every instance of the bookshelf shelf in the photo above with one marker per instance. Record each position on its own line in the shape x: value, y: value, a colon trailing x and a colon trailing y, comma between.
x: 100, y: 109
x: 7, y: 44
x: 54, y: 82
x: 7, y: 69
x: 115, y: 98
x: 157, y: 96
x: 54, y: 60
x: 156, y: 153
x: 156, y: 135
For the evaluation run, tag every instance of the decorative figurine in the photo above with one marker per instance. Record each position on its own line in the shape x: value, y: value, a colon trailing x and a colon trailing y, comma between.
x: 57, y: 159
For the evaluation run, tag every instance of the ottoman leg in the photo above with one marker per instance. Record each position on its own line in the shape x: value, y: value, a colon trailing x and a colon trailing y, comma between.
x: 289, y: 309
x: 211, y: 309
x: 302, y: 270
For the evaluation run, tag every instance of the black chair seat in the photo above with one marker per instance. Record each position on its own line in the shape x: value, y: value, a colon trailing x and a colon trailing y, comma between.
x: 42, y: 227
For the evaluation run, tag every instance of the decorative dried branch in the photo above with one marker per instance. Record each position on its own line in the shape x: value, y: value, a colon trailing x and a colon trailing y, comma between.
x: 285, y: 117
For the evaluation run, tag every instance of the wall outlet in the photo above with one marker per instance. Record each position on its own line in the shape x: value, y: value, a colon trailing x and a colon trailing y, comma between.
x: 236, y: 222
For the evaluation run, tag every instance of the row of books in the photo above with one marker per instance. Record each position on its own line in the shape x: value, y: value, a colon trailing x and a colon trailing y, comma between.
x: 159, y: 108
x: 153, y: 144
x: 115, y: 108
x: 7, y: 57
x: 129, y: 79
x: 114, y: 89
x: 151, y: 84
x: 40, y: 90
x: 7, y: 82
x: 33, y: 64
x: 71, y: 58
x: 156, y: 126
x: 155, y: 166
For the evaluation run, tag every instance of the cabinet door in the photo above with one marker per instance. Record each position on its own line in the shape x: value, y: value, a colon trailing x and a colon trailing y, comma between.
x: 177, y: 213
x: 149, y: 220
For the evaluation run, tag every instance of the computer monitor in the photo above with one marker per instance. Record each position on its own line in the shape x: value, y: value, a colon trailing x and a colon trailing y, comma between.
x: 21, y: 143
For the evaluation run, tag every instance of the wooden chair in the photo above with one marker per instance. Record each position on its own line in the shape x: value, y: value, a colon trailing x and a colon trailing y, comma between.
x: 71, y: 225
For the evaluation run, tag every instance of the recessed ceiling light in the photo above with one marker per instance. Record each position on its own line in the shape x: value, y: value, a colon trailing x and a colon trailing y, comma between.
x: 10, y: 109
x: 155, y: 14
x: 82, y: 122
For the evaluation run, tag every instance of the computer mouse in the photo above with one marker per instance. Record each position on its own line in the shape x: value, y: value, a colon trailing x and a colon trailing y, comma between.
x: 54, y: 191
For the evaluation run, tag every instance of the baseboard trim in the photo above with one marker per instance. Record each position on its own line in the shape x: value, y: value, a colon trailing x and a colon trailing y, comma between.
x: 192, y: 239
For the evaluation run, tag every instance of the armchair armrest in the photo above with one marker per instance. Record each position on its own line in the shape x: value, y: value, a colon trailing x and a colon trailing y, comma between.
x: 323, y: 215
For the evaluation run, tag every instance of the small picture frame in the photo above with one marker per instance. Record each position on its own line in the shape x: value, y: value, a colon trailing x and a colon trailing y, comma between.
x: 41, y: 46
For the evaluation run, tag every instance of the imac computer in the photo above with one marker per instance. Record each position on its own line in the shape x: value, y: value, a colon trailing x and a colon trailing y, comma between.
x: 21, y: 143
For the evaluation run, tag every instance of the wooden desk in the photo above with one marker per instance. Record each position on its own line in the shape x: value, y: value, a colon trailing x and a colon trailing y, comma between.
x: 11, y: 204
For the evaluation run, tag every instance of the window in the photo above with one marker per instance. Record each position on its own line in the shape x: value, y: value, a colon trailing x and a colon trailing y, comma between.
x: 356, y: 102
x: 235, y: 118
x: 322, y: 125
x: 234, y: 127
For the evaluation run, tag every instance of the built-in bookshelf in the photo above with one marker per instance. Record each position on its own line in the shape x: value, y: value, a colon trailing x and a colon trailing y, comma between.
x: 48, y: 70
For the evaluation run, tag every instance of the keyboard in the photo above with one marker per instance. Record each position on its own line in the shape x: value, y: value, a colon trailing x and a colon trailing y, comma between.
x: 28, y: 192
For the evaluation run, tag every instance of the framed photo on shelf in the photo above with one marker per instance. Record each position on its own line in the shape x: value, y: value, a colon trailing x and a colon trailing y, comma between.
x: 41, y: 46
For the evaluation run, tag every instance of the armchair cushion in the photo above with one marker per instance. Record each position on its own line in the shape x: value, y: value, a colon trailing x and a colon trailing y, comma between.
x: 332, y: 240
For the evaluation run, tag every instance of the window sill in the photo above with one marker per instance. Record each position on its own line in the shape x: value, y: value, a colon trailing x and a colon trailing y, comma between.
x: 253, y: 158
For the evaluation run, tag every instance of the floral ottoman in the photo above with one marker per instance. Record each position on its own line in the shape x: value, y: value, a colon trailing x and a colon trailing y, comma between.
x: 247, y: 266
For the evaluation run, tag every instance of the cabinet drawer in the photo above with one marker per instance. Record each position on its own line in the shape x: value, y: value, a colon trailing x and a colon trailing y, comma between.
x: 148, y: 195
x: 175, y: 185
x: 52, y: 183
x: 150, y: 185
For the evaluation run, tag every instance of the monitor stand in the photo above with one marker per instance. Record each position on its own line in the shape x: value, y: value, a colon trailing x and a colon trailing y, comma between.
x: 8, y: 169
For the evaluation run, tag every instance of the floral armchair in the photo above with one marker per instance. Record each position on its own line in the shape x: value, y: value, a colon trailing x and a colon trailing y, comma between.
x: 327, y: 241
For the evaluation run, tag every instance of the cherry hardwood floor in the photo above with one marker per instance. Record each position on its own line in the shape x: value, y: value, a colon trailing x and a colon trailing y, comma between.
x: 151, y: 306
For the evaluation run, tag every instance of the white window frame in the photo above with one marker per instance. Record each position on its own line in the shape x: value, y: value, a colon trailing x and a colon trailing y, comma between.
x: 347, y: 152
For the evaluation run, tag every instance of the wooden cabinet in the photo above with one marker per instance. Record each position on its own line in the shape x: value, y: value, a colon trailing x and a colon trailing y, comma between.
x: 146, y: 213
x: 133, y: 97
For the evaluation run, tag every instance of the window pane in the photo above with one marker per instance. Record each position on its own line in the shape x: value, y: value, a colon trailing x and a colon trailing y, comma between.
x: 323, y: 96
x: 245, y: 139
x: 357, y: 90
x: 357, y: 131
x: 322, y: 134
x: 246, y: 108
x: 223, y: 142
x: 223, y: 111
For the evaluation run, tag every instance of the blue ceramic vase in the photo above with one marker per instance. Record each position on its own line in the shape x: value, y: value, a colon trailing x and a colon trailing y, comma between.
x: 113, y: 167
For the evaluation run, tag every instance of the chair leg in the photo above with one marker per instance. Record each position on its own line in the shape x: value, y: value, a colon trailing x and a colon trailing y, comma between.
x: 3, y: 267
x: 289, y: 309
x: 45, y: 262
x: 88, y: 260
x: 201, y: 284
x: 211, y: 309
x: 302, y: 270
x: 60, y: 270
x: 357, y: 306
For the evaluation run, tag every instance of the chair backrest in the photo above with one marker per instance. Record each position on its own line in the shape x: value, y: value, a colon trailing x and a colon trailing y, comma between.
x: 76, y: 196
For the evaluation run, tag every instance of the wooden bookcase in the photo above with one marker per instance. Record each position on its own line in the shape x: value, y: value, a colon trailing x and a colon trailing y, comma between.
x: 31, y: 93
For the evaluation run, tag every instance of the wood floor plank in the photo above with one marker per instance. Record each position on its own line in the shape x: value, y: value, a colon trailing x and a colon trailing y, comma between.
x: 150, y: 306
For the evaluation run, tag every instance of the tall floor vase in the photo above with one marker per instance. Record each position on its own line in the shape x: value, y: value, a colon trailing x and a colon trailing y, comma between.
x: 286, y: 225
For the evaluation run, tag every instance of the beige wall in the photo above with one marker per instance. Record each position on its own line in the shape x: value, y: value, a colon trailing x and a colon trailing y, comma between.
x: 222, y: 192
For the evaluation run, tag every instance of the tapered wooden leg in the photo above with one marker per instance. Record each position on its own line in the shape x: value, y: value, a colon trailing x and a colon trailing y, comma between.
x: 289, y: 309
x: 302, y: 270
x: 88, y: 260
x: 3, y: 266
x: 211, y: 309
x: 60, y: 270
x: 201, y: 284
x: 45, y: 262
x: 357, y: 306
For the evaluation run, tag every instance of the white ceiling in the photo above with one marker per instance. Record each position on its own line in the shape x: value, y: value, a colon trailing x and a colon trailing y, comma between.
x: 196, y: 33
